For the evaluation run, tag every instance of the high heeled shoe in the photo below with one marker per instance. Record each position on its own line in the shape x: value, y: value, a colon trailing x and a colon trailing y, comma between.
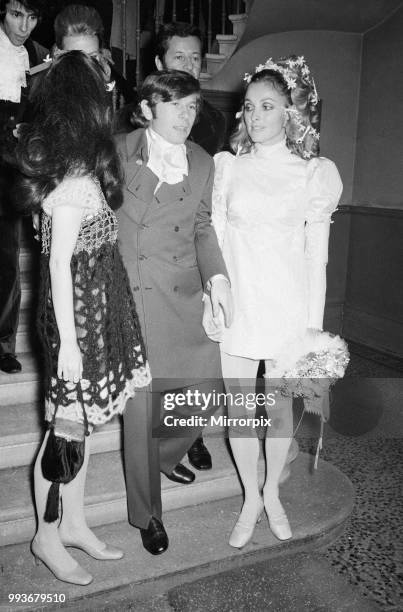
x: 78, y: 575
x: 278, y: 521
x: 107, y: 553
x: 243, y: 530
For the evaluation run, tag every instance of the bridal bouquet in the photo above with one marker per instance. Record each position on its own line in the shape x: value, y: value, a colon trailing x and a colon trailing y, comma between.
x: 308, y: 368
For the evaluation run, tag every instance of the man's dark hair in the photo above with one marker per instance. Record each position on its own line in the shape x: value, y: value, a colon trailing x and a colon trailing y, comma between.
x: 176, y: 28
x: 164, y: 86
x: 36, y: 6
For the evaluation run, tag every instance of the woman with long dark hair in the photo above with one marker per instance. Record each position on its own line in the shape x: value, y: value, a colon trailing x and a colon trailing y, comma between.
x: 93, y: 350
x: 272, y: 206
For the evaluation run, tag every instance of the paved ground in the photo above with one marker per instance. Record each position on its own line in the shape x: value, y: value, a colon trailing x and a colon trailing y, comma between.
x: 365, y: 442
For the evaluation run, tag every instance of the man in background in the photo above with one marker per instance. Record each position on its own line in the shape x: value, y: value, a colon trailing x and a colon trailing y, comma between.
x: 17, y: 54
x: 179, y: 47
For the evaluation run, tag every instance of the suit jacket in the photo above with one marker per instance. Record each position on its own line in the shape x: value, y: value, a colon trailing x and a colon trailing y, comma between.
x: 170, y: 250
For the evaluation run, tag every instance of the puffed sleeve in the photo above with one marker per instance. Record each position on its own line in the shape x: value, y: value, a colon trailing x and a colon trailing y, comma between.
x: 324, y: 189
x: 77, y: 192
x: 223, y: 164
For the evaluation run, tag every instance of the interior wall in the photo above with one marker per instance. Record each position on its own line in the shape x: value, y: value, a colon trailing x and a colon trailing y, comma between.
x: 337, y: 75
x: 378, y: 177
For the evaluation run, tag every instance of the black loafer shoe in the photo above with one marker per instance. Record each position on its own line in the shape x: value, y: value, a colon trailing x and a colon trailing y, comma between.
x: 199, y: 456
x: 155, y: 538
x: 9, y: 364
x: 181, y: 474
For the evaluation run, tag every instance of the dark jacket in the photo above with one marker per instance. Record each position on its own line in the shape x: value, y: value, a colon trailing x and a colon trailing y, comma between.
x: 209, y: 129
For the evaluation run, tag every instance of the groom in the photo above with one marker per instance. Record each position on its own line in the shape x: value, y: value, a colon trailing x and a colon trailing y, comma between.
x: 172, y: 256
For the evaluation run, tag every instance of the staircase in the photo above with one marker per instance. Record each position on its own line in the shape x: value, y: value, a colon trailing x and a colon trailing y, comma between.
x: 227, y: 44
x: 203, y: 512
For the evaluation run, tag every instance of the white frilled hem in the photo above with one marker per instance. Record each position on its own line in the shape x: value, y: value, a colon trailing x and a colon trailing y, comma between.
x: 96, y: 415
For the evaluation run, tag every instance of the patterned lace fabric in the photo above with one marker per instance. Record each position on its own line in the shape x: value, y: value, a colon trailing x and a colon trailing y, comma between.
x: 107, y: 326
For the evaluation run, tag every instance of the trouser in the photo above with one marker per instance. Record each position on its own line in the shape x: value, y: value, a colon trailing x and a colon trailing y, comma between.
x: 147, y: 453
x: 10, y: 289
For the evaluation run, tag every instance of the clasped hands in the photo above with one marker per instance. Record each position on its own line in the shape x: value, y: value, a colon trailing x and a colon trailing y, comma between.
x: 218, y: 308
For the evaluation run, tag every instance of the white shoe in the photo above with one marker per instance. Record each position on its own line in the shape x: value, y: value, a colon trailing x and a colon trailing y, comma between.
x: 244, y: 528
x: 278, y: 520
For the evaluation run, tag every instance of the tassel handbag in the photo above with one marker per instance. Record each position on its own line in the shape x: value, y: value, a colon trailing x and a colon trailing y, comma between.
x: 63, y: 456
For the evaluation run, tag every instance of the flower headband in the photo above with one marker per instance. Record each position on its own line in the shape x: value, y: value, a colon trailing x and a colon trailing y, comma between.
x: 302, y: 137
x: 291, y: 69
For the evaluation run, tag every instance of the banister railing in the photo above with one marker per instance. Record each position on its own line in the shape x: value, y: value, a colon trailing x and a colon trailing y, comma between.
x: 211, y: 16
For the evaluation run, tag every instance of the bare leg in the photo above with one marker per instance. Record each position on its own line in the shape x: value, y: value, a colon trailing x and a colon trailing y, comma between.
x: 47, y: 537
x: 73, y: 526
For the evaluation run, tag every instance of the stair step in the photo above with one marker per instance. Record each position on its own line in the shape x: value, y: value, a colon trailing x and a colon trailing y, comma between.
x: 227, y: 44
x: 238, y: 24
x: 27, y: 289
x: 22, y: 432
x: 105, y: 499
x: 214, y: 61
x: 29, y: 257
x: 23, y: 387
x: 317, y: 504
x: 26, y: 332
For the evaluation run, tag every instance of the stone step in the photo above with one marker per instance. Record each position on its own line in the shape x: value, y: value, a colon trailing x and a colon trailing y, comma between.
x: 23, y: 387
x: 22, y: 432
x: 238, y: 24
x: 317, y: 504
x: 227, y: 44
x: 204, y: 79
x: 29, y: 257
x: 26, y: 332
x: 23, y: 426
x: 27, y: 289
x: 214, y: 61
x: 105, y: 499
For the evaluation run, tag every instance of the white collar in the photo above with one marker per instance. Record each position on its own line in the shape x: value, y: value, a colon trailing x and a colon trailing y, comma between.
x: 268, y: 151
x: 168, y: 161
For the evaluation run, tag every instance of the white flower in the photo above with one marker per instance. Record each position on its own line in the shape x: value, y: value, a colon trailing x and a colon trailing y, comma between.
x: 300, y: 61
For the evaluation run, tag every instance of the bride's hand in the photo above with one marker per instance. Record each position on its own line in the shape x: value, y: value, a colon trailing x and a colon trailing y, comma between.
x: 213, y: 326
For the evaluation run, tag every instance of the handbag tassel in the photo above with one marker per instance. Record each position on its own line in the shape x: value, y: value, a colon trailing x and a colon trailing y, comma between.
x: 52, y: 503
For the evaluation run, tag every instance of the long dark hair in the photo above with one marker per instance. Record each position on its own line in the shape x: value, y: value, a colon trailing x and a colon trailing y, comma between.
x: 71, y: 133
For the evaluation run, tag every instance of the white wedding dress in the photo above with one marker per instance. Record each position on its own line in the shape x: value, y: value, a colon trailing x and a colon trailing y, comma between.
x: 271, y: 212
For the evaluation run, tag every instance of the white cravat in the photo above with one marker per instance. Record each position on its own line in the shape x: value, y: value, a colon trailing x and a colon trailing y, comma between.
x: 14, y: 62
x: 168, y: 161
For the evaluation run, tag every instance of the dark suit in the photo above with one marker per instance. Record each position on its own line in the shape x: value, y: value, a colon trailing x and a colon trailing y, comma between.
x: 10, y: 290
x: 209, y: 128
x: 170, y: 251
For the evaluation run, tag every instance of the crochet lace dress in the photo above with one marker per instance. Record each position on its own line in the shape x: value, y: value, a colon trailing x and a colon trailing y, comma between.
x: 107, y: 327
